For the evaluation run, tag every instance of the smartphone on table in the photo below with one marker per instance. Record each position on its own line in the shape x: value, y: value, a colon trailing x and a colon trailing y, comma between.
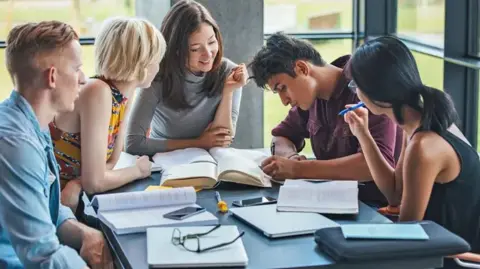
x: 184, y: 213
x: 255, y: 201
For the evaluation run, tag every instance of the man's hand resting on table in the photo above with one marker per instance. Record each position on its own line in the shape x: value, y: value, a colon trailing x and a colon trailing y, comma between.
x: 95, y: 250
x: 280, y: 168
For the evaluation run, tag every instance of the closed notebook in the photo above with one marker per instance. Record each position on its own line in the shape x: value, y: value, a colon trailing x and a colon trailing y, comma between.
x: 394, y: 231
x: 134, y: 212
x: 161, y: 253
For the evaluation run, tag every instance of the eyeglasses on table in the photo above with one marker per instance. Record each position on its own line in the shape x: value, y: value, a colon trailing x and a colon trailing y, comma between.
x: 191, y: 242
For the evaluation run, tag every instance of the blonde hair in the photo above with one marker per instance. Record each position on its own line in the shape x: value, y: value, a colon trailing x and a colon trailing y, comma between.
x: 125, y: 47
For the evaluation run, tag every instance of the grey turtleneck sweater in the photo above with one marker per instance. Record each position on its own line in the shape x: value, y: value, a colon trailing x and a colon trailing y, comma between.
x: 149, y: 112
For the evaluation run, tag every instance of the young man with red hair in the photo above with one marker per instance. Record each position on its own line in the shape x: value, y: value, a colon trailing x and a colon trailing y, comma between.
x: 36, y: 231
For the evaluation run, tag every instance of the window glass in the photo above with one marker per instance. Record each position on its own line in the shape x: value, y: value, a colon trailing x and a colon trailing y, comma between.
x: 294, y: 16
x: 275, y: 111
x: 84, y: 15
x: 6, y: 84
x: 478, y: 116
x: 431, y: 70
x: 478, y: 29
x: 422, y: 20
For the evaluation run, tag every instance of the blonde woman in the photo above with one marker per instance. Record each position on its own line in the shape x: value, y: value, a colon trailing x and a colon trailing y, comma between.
x: 88, y: 141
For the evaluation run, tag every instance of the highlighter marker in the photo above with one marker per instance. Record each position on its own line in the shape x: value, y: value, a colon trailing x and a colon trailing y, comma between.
x: 343, y: 112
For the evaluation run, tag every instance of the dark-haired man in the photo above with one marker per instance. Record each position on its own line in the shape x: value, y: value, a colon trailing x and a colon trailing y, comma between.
x: 317, y: 92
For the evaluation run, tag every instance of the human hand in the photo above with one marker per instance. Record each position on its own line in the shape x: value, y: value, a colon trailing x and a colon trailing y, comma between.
x: 237, y: 78
x: 95, y: 250
x: 357, y: 121
x: 144, y: 166
x: 297, y: 157
x: 279, y: 167
x: 215, y: 137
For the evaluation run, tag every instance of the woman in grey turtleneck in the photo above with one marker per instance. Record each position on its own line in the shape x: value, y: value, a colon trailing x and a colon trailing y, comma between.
x: 195, y: 99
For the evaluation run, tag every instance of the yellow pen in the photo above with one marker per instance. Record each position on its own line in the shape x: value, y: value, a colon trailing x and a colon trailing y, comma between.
x: 222, y: 205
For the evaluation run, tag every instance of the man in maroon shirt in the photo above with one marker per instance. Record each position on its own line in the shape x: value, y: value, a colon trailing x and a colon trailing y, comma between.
x: 317, y: 92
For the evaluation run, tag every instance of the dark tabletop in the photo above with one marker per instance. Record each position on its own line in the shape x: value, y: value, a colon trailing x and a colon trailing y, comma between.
x: 293, y: 252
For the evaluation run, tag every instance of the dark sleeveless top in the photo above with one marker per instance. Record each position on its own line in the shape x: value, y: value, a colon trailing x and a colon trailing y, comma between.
x: 456, y: 205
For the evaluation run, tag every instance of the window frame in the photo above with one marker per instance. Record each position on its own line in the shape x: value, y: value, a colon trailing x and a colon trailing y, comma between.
x: 460, y: 55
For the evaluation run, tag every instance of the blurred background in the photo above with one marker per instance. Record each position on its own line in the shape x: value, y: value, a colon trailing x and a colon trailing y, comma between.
x: 335, y: 27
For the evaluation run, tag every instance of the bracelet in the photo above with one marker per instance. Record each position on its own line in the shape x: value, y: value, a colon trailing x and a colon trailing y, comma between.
x: 295, y: 154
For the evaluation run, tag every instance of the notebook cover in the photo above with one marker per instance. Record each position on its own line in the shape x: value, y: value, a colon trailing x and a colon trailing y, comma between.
x: 393, y: 231
x: 441, y: 243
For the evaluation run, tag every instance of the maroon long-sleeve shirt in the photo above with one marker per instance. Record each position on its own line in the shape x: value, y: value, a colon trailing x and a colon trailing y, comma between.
x: 328, y: 132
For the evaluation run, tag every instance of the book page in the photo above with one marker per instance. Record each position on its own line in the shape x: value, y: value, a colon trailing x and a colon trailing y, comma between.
x: 316, y: 197
x: 182, y: 156
x: 246, y: 167
x: 324, y: 184
x: 191, y: 170
x: 144, y: 199
x: 242, y: 160
x: 250, y: 155
x: 128, y: 160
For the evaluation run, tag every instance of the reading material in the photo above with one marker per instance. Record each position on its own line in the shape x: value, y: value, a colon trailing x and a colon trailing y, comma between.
x: 162, y: 253
x: 133, y: 212
x: 205, y: 169
x: 395, y: 231
x: 328, y: 197
x: 127, y: 160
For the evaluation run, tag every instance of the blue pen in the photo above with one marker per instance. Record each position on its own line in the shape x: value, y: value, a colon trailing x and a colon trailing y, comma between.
x: 343, y: 112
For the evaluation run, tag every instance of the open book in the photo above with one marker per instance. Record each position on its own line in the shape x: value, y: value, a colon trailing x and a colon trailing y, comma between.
x: 133, y: 212
x: 327, y: 197
x: 205, y: 169
x: 127, y: 160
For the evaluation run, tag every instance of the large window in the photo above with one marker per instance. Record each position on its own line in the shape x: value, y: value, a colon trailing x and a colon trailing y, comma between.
x: 478, y: 115
x: 274, y: 111
x: 84, y: 15
x: 6, y: 84
x: 422, y: 21
x: 302, y: 16
x: 431, y: 70
x: 478, y: 29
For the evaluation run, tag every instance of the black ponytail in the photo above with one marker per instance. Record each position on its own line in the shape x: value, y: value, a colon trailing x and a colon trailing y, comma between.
x: 438, y: 111
x: 386, y: 72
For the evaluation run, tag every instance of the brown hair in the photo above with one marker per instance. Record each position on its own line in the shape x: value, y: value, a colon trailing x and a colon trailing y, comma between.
x: 181, y: 21
x: 27, y: 41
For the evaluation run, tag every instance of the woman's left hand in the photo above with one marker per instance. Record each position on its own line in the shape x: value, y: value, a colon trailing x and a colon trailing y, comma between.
x: 237, y: 78
x: 357, y: 121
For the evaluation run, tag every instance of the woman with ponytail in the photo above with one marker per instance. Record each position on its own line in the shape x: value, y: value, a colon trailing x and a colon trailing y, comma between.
x: 437, y: 176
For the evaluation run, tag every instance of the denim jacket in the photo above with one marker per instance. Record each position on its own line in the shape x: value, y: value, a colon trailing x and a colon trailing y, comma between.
x: 30, y: 209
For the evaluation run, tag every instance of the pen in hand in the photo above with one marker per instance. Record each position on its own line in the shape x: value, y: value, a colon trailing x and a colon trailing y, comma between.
x: 345, y: 111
